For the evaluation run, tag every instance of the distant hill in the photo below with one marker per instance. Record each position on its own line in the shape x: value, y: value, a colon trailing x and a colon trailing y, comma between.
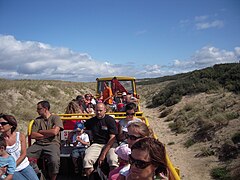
x: 19, y: 97
x: 205, y: 104
x: 226, y: 76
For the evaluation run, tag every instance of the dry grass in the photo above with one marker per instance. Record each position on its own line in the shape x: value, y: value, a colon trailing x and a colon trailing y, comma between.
x: 19, y: 97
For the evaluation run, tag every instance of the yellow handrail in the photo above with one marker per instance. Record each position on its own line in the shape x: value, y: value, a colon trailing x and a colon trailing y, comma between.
x: 174, y: 173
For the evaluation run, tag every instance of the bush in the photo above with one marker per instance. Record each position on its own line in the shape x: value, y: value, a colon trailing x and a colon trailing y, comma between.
x: 189, y: 143
x: 220, y: 173
x: 236, y: 138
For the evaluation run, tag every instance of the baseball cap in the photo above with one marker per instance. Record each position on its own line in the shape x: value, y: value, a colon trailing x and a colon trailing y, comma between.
x: 124, y: 93
x: 123, y: 151
x: 78, y: 126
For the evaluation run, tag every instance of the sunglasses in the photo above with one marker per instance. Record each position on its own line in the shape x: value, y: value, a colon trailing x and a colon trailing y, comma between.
x: 138, y: 163
x: 130, y: 114
x: 4, y: 123
x: 132, y: 137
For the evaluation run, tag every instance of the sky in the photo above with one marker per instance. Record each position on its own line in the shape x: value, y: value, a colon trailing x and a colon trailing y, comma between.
x: 80, y: 40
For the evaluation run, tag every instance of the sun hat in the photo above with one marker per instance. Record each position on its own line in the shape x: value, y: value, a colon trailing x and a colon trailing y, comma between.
x: 123, y: 151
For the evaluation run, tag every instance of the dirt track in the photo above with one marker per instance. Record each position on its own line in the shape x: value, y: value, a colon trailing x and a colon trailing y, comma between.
x: 191, y: 168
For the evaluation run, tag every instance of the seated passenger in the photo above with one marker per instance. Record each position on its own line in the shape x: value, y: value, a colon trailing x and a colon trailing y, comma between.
x: 104, y: 130
x: 80, y: 141
x: 136, y: 131
x: 81, y: 102
x: 147, y: 159
x: 46, y: 131
x: 123, y: 152
x: 7, y: 162
x: 123, y: 123
x: 90, y: 108
x: 87, y: 99
x: 72, y: 108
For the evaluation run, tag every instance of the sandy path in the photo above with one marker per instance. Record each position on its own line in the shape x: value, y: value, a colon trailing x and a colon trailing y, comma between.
x: 191, y: 168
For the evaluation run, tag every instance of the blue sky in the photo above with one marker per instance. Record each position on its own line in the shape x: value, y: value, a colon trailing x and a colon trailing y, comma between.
x: 80, y: 40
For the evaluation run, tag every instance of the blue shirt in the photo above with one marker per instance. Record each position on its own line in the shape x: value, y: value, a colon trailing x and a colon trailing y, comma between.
x: 8, y: 162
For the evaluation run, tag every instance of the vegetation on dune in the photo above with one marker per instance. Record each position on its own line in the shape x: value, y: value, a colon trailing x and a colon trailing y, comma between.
x: 19, y: 97
x: 213, y: 119
x: 219, y: 76
x: 210, y: 115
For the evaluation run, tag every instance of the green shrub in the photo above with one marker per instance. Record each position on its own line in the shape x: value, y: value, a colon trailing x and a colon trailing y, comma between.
x: 220, y: 173
x: 189, y: 143
x: 171, y: 143
x: 236, y: 138
x: 232, y: 115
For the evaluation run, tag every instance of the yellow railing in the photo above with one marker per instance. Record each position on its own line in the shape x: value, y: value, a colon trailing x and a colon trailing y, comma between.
x: 174, y: 173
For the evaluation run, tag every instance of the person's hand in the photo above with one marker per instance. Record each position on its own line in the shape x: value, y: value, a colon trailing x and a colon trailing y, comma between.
x: 78, y: 139
x: 101, y: 159
x: 3, y: 170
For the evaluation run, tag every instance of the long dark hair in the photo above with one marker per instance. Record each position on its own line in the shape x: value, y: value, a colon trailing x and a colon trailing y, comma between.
x: 11, y: 120
x: 156, y: 150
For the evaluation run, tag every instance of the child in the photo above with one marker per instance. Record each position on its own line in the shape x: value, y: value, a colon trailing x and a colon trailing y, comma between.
x: 7, y: 162
x: 81, y: 142
x: 122, y: 151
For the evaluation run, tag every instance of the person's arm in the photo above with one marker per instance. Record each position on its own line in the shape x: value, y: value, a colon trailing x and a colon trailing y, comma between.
x: 120, y: 136
x: 50, y: 132
x: 78, y: 139
x: 107, y: 147
x: 42, y: 134
x: 9, y: 177
x: 23, y: 149
x: 10, y: 168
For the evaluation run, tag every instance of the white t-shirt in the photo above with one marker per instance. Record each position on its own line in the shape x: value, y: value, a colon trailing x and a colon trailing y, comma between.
x: 83, y: 137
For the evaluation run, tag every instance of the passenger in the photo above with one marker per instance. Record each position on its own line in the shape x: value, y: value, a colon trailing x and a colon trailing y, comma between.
x: 100, y: 99
x: 131, y: 99
x: 107, y: 94
x: 124, y: 98
x: 87, y: 99
x: 147, y: 159
x: 16, y: 146
x: 81, y: 142
x: 93, y: 100
x: 7, y: 162
x: 123, y: 152
x: 72, y: 108
x: 90, y: 108
x: 136, y: 131
x: 123, y: 123
x: 46, y: 130
x: 104, y: 132
x: 81, y: 103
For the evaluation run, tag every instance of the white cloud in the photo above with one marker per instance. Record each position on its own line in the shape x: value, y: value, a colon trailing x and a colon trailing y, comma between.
x: 35, y: 60
x: 201, y: 18
x: 141, y: 32
x: 207, y: 25
x: 207, y: 56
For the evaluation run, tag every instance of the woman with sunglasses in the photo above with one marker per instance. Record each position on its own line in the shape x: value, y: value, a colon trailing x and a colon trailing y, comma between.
x: 147, y: 158
x: 16, y: 146
x: 136, y: 131
x: 130, y: 117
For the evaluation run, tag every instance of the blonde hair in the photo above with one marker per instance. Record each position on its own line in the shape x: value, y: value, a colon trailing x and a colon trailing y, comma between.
x: 142, y: 129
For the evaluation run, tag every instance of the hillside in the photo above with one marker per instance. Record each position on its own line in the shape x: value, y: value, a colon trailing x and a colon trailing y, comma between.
x: 201, y: 129
x: 19, y: 97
